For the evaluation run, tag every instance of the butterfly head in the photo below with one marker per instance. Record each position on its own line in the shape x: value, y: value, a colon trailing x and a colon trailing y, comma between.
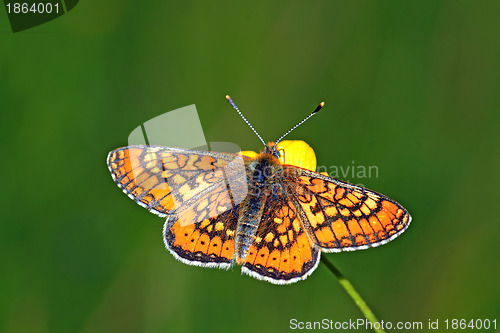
x: 271, y: 149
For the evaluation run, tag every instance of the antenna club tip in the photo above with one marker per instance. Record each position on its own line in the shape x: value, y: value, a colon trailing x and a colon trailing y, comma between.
x: 319, y: 107
x: 228, y: 97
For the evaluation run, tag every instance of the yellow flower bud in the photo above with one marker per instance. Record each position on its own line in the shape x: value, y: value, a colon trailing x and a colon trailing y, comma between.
x: 297, y: 153
x: 293, y: 152
x: 249, y: 153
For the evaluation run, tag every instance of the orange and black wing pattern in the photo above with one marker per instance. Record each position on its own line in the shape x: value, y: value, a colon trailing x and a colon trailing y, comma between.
x: 343, y: 217
x: 209, y: 243
x: 198, y: 192
x: 173, y: 180
x: 281, y: 252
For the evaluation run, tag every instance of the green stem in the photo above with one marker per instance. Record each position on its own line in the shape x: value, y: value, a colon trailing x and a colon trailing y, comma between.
x: 356, y: 297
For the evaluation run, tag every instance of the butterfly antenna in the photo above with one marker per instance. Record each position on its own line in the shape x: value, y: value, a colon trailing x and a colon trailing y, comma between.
x: 242, y: 116
x: 303, y: 121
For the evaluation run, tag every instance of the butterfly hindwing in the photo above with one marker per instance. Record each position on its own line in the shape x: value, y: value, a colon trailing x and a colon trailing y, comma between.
x: 281, y: 252
x: 342, y: 216
x: 209, y: 243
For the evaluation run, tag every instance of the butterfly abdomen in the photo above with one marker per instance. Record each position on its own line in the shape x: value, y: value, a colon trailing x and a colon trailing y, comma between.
x: 260, y: 181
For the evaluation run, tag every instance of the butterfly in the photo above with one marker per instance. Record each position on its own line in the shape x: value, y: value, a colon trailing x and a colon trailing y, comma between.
x: 271, y: 212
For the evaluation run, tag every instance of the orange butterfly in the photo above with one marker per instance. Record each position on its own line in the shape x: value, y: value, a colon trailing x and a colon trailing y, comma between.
x: 261, y: 212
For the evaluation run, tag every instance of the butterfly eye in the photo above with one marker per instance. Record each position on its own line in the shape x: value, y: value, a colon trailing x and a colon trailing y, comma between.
x: 278, y: 153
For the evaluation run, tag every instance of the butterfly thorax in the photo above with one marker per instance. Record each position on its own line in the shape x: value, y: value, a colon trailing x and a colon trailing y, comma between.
x: 263, y: 176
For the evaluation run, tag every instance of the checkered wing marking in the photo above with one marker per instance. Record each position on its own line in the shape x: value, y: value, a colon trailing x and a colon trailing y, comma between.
x: 343, y: 217
x: 209, y: 243
x: 282, y: 252
x: 192, y: 185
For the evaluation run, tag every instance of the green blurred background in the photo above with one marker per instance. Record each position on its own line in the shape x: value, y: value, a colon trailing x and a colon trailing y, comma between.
x: 410, y: 86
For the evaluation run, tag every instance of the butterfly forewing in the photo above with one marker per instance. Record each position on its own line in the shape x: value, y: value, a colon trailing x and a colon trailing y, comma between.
x: 341, y: 216
x: 194, y: 185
